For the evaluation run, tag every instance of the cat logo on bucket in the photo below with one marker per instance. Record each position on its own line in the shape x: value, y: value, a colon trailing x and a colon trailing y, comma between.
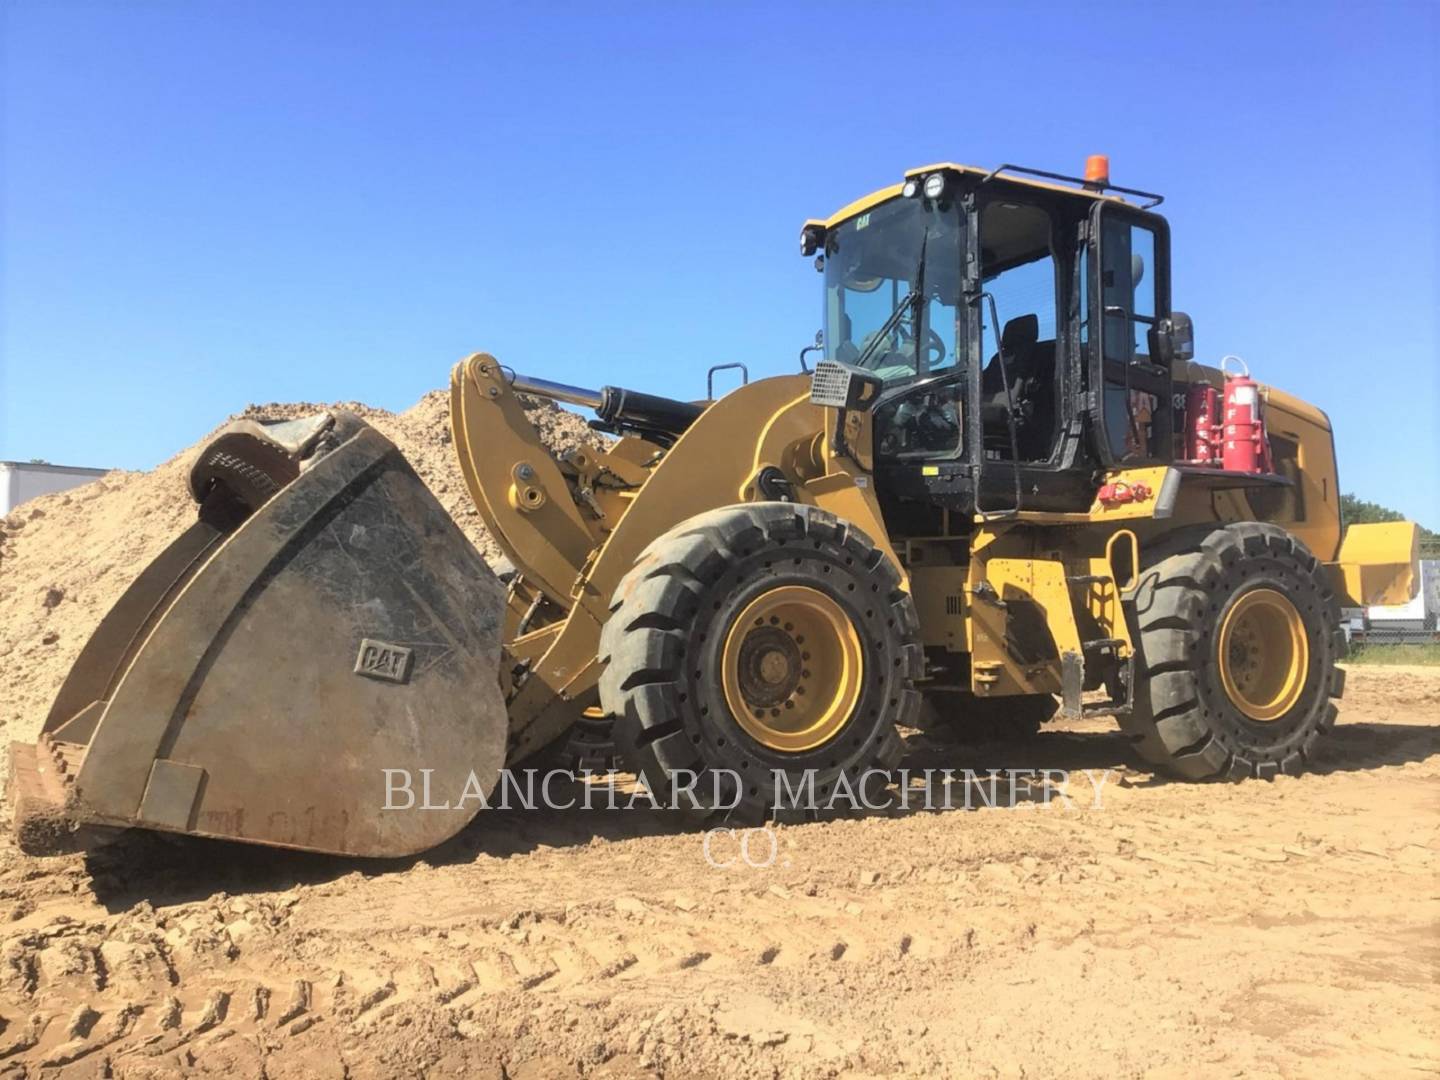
x: 381, y: 660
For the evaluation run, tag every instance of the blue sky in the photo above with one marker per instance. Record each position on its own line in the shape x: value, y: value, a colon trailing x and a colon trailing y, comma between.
x: 207, y: 204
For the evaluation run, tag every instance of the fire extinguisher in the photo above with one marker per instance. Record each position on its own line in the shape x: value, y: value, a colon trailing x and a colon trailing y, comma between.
x: 1202, y: 424
x: 1246, y: 447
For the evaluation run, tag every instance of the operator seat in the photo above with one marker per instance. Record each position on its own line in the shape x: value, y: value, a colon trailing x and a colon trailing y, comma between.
x: 1030, y: 365
x: 1017, y: 342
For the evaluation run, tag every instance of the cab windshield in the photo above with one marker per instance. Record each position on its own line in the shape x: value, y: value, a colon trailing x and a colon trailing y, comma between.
x: 873, y: 263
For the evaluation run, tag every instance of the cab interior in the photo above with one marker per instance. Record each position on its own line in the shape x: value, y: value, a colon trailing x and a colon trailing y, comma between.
x: 1020, y: 376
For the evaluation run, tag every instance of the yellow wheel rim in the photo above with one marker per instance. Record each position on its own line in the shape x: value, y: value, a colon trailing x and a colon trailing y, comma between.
x: 1263, y: 654
x: 792, y: 668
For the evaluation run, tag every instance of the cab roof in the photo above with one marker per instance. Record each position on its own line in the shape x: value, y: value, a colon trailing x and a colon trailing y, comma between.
x: 1055, y: 183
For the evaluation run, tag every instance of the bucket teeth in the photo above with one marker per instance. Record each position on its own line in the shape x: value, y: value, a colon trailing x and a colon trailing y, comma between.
x: 65, y: 755
x: 42, y: 777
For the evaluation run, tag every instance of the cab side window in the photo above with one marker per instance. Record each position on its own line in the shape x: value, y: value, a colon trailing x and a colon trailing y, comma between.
x: 1130, y: 301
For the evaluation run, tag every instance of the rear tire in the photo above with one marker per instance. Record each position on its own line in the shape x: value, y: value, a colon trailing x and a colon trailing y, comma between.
x: 589, y: 746
x: 756, y: 638
x: 586, y: 748
x: 1237, y: 641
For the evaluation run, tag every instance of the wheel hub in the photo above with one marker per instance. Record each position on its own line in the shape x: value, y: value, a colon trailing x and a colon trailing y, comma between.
x: 770, y: 666
x: 1263, y: 654
x: 792, y: 668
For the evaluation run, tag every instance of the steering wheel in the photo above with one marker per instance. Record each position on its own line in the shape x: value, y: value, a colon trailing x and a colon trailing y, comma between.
x: 927, y: 421
x: 934, y: 343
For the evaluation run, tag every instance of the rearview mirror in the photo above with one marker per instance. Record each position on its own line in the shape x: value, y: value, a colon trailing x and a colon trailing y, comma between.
x: 1173, y: 339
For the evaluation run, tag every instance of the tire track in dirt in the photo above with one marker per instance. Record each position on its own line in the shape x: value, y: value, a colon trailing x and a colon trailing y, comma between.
x: 1267, y: 928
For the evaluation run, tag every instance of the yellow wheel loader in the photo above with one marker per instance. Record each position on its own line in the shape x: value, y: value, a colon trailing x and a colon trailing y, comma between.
x: 985, y: 501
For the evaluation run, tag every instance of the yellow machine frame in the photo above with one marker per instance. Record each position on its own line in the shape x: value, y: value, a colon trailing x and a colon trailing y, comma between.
x: 574, y: 526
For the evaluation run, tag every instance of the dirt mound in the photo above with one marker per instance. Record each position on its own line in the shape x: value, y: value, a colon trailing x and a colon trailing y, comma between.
x: 66, y: 558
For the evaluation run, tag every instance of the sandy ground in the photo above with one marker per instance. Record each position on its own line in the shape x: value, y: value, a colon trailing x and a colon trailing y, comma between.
x: 1126, y: 927
x: 1262, y: 929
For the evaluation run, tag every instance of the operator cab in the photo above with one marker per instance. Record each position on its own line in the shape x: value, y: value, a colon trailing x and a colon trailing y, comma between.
x: 1014, y: 325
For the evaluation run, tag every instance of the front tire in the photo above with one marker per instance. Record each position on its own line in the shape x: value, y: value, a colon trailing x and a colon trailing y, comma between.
x: 1237, y: 641
x: 759, y: 638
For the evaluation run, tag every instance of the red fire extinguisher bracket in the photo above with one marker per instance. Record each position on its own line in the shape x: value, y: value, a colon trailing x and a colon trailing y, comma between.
x: 1203, y: 425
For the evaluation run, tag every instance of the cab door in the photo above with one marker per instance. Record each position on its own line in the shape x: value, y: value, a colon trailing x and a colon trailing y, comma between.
x: 1127, y: 282
x: 921, y: 426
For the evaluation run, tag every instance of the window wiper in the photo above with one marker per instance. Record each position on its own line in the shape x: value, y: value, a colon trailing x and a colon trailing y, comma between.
x: 886, y: 327
x: 911, y: 298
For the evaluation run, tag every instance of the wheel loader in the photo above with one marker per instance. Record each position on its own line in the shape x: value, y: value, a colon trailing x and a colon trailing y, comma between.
x: 1003, y: 491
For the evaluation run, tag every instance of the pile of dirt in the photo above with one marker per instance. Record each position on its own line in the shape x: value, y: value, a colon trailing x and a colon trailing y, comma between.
x: 66, y: 558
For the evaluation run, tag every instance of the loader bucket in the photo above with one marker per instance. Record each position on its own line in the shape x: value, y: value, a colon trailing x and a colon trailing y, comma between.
x: 299, y: 668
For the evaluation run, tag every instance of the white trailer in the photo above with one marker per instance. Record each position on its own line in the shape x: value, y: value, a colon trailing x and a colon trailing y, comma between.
x: 22, y: 480
x: 1412, y: 622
